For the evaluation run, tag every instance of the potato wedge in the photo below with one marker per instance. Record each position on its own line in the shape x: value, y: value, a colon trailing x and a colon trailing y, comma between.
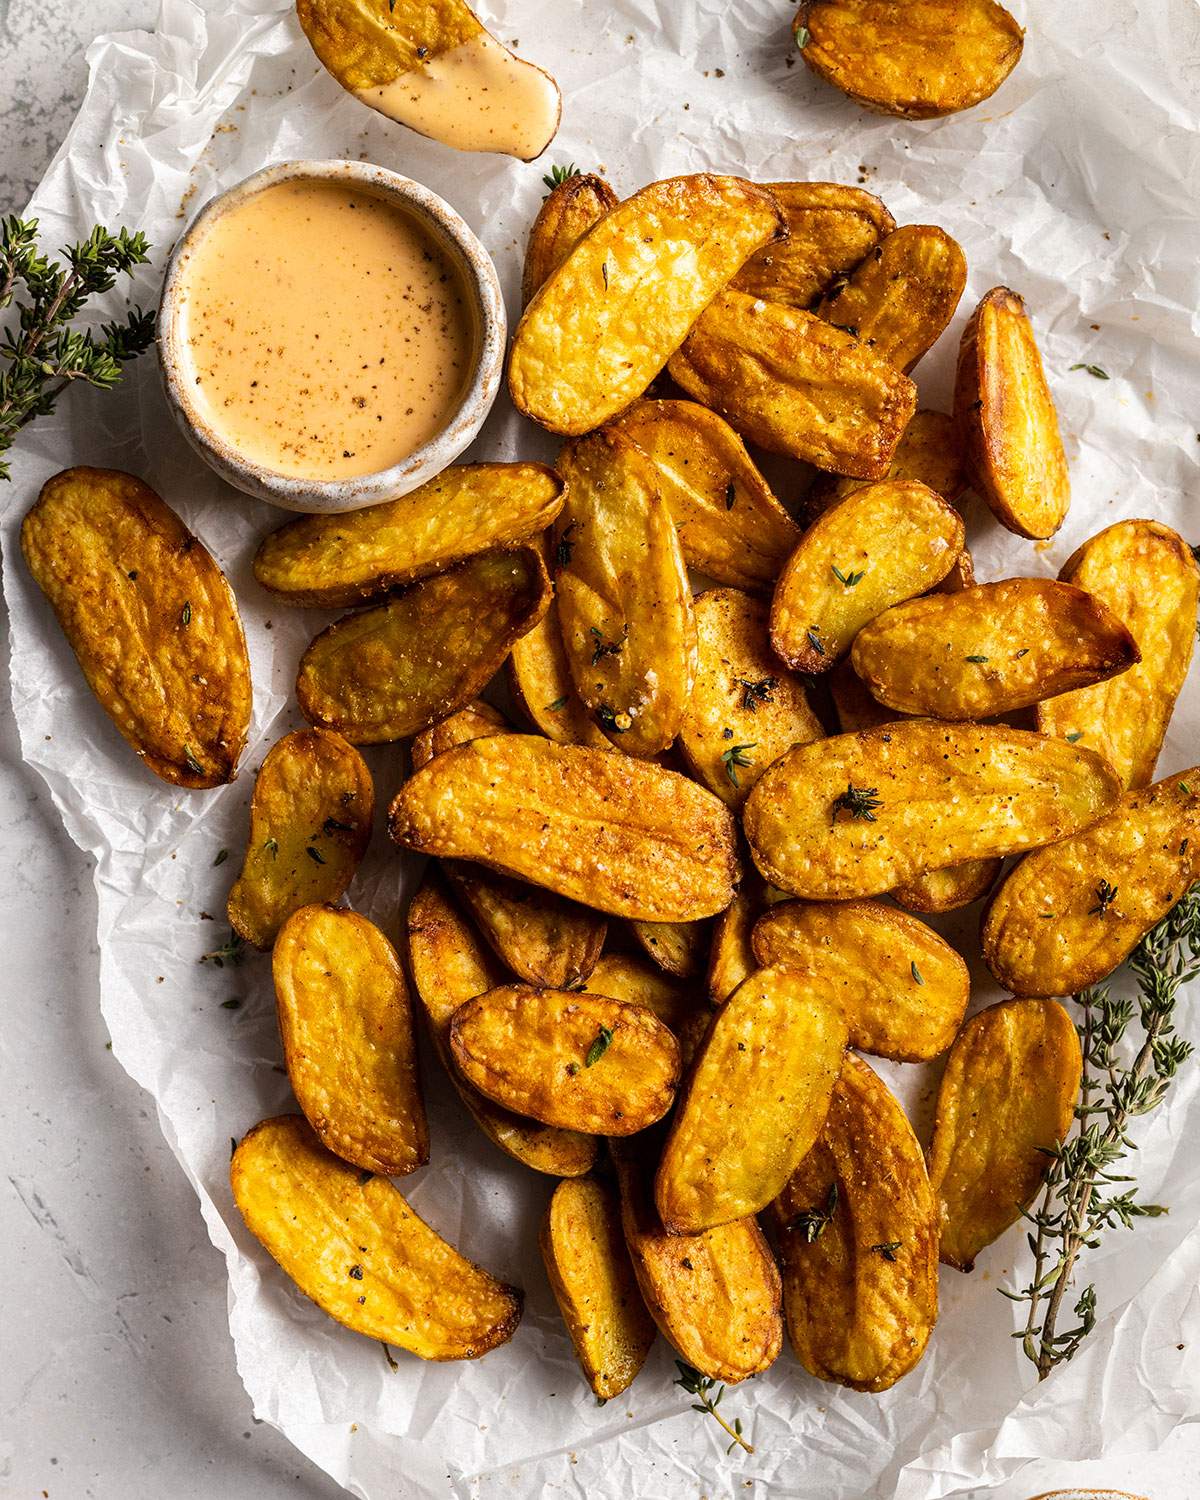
x: 916, y: 61
x: 990, y: 649
x: 859, y: 814
x: 792, y: 383
x: 1006, y: 1099
x: 930, y: 450
x: 449, y: 966
x: 1146, y: 574
x: 151, y: 620
x: 592, y: 1279
x: 353, y: 1244
x: 346, y: 1023
x: 624, y: 976
x: 384, y: 673
x: 876, y: 548
x: 731, y: 959
x: 1004, y: 409
x: 568, y: 1058
x: 474, y: 722
x: 608, y: 319
x: 753, y: 1105
x: 858, y: 1233
x: 678, y: 948
x: 568, y: 212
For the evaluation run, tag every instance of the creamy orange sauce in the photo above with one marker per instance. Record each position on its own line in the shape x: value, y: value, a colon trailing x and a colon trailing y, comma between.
x: 476, y: 97
x: 327, y: 334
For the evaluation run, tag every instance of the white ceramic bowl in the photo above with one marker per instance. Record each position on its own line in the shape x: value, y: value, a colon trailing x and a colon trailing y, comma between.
x: 326, y: 495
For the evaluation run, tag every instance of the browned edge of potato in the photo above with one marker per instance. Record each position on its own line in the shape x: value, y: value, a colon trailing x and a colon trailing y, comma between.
x: 930, y: 450
x: 678, y: 948
x: 568, y: 211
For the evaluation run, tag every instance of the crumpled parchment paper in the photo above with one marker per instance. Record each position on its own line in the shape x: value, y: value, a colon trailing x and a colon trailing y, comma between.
x: 1077, y: 187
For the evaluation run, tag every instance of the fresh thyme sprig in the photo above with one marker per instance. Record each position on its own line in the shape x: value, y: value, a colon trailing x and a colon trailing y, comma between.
x: 702, y: 1387
x: 858, y: 801
x: 557, y: 175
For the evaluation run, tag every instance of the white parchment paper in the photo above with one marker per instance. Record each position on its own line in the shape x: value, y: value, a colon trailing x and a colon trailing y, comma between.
x: 1077, y: 186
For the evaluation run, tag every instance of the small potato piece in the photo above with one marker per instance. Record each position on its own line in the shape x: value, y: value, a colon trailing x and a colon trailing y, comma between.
x: 150, y: 617
x: 754, y: 1103
x: 677, y: 947
x: 382, y: 674
x: 1004, y: 409
x: 622, y: 976
x: 568, y: 1058
x: 623, y: 836
x: 474, y: 722
x: 731, y: 959
x: 930, y: 450
x: 730, y: 525
x: 858, y: 814
x: 887, y: 542
x: 1068, y: 915
x: 792, y: 383
x: 569, y: 211
x: 990, y: 649
x: 1146, y: 574
x: 860, y: 1297
x: 1006, y: 1099
x: 346, y: 1023
x: 608, y: 319
x: 902, y: 989
x: 353, y: 1244
x: 593, y: 1283
x: 934, y: 57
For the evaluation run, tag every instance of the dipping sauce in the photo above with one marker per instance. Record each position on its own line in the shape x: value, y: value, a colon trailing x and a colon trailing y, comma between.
x: 327, y: 333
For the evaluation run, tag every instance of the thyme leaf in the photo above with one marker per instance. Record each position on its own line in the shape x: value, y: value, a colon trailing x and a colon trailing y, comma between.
x: 811, y: 1223
x: 859, y: 801
x: 735, y: 757
x: 599, y: 1047
x: 1095, y: 370
x: 754, y: 693
x: 851, y: 580
x: 557, y: 175
x: 703, y: 1388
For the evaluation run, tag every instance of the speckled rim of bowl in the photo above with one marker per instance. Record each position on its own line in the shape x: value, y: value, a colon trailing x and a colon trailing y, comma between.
x: 333, y: 495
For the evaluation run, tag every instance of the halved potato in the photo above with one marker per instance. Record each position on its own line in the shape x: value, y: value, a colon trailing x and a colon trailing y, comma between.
x: 382, y: 674
x: 920, y: 60
x: 677, y: 947
x: 568, y: 212
x: 346, y: 1023
x: 353, y: 1244
x: 731, y: 959
x: 858, y: 1230
x: 1004, y: 409
x: 831, y: 228
x: 602, y: 327
x: 474, y: 722
x: 930, y: 450
x: 858, y: 814
x: 878, y: 547
x: 623, y: 976
x: 1006, y: 1100
x: 150, y: 617
x: 1147, y: 575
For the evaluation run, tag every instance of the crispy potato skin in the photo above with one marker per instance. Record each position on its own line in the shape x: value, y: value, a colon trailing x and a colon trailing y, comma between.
x: 591, y: 1276
x: 1146, y: 574
x: 474, y: 722
x: 902, y: 989
x: 608, y: 319
x: 917, y: 60
x: 754, y: 1102
x: 930, y: 450
x: 318, y: 1217
x: 900, y: 536
x: 569, y: 211
x: 314, y: 792
x: 1004, y: 409
x: 794, y: 384
x: 623, y: 976
x: 151, y: 620
x: 1046, y: 930
x: 623, y: 836
x: 947, y: 792
x: 990, y: 649
x: 1007, y: 1096
x: 678, y: 948
x: 365, y: 46
x: 346, y: 1023
x: 854, y: 1315
x: 384, y: 673
x: 731, y: 958
x: 528, y: 1049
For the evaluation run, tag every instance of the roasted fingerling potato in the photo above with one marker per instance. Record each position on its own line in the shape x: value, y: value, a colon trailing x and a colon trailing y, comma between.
x: 570, y: 209
x: 731, y: 958
x: 626, y: 977
x: 930, y: 450
x: 677, y: 948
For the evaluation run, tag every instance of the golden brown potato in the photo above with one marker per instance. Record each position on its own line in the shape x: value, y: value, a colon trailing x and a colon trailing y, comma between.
x: 902, y: 989
x: 346, y: 1023
x: 918, y: 61
x: 858, y: 814
x: 731, y: 959
x: 730, y: 525
x: 623, y: 836
x: 608, y: 319
x: 384, y: 673
x: 1004, y: 409
x: 990, y: 649
x: 623, y: 976
x: 679, y: 948
x: 830, y: 229
x: 1068, y: 915
x: 449, y: 966
x: 1006, y: 1100
x: 474, y: 722
x: 858, y: 1231
x: 794, y: 384
x: 1146, y: 574
x: 568, y: 212
x: 354, y: 1245
x: 568, y: 1058
x: 151, y: 620
x: 592, y: 1278
x: 876, y: 548
x: 929, y: 450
